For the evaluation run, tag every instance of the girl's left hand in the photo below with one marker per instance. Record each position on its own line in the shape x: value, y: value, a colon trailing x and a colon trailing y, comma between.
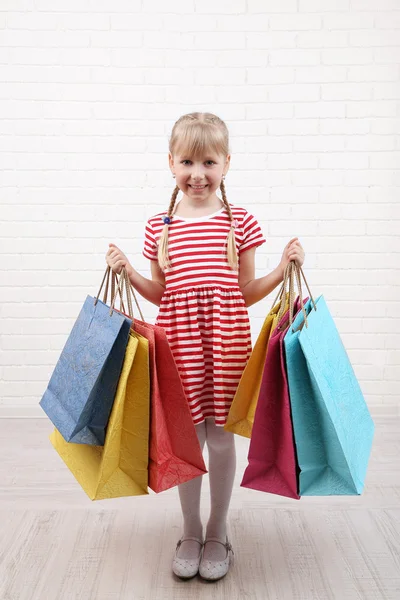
x: 293, y: 251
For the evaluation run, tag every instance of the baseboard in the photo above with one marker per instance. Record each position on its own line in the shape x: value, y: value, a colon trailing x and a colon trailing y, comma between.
x: 36, y: 412
x: 22, y: 412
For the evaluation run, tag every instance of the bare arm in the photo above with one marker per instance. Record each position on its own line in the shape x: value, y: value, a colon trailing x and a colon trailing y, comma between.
x: 151, y: 289
x: 257, y: 289
x: 253, y: 289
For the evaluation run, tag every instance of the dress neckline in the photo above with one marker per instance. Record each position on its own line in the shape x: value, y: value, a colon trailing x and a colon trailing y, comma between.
x: 203, y: 218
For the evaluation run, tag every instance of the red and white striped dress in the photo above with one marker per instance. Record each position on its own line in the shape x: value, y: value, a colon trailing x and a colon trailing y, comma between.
x: 202, y: 309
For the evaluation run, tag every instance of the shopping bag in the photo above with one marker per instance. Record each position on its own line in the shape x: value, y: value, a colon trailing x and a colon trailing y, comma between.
x: 80, y: 394
x: 272, y: 458
x: 332, y: 425
x: 241, y: 413
x: 120, y: 467
x: 175, y: 455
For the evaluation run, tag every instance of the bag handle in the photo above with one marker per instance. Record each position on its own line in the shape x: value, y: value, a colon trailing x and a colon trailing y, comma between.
x: 130, y: 291
x: 298, y: 273
x: 124, y: 284
x: 292, y: 271
x: 106, y: 279
x: 281, y: 291
x: 300, y: 270
x: 286, y: 278
x: 108, y: 271
x: 106, y: 275
x: 295, y: 274
x: 118, y: 286
x: 127, y: 294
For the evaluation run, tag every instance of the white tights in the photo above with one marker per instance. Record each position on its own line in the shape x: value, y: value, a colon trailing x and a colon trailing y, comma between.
x: 221, y: 468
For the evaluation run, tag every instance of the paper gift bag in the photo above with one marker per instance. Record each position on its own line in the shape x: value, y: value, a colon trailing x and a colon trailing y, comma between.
x: 241, y: 414
x: 120, y: 467
x: 272, y: 458
x: 332, y: 425
x: 80, y: 394
x: 175, y: 455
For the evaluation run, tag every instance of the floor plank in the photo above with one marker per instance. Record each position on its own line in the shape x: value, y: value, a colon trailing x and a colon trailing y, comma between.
x: 56, y: 544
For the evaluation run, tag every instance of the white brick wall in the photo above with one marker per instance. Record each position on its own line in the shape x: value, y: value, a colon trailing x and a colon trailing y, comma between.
x: 89, y: 92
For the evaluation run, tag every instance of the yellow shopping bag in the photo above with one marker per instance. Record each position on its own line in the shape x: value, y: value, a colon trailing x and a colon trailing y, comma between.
x: 241, y: 414
x: 119, y: 468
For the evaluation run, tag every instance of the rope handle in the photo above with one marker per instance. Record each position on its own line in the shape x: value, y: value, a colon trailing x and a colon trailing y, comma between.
x: 299, y: 275
x: 125, y: 285
x: 281, y: 291
x: 293, y: 272
x: 283, y: 296
x: 119, y: 286
x: 129, y: 286
x: 106, y: 279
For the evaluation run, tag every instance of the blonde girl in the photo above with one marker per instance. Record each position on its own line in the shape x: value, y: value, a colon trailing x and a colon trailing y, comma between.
x: 202, y: 253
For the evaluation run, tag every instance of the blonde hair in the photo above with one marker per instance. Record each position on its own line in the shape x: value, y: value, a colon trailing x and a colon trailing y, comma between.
x: 195, y: 134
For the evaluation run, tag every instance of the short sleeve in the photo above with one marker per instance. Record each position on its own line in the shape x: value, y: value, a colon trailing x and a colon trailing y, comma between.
x: 252, y: 234
x: 150, y: 249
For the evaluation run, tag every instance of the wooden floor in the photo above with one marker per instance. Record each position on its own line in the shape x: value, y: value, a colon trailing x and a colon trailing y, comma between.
x: 55, y: 544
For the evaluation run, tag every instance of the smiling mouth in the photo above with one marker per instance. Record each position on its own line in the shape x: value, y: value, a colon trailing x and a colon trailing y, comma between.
x: 198, y: 187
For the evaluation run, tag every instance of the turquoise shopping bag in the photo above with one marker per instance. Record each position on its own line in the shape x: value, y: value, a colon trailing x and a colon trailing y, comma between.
x: 332, y: 426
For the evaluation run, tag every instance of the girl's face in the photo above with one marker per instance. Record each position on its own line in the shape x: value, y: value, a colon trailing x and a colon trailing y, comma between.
x: 199, y: 179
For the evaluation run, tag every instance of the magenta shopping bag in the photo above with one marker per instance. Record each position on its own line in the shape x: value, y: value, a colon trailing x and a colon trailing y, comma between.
x: 272, y: 457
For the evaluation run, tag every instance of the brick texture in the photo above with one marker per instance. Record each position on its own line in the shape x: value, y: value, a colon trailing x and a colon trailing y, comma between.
x: 89, y: 93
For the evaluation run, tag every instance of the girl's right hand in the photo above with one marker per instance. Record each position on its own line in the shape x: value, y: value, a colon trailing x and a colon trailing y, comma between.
x: 116, y: 259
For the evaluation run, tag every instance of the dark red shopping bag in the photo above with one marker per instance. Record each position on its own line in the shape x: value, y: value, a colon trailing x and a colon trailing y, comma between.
x: 175, y: 455
x: 272, y: 457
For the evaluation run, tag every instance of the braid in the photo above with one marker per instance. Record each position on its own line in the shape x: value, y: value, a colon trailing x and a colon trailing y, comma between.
x: 173, y: 200
x: 230, y: 240
x: 163, y: 258
x: 195, y: 133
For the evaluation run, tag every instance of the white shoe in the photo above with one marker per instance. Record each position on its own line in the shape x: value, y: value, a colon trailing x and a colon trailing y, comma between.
x: 213, y: 569
x: 186, y: 568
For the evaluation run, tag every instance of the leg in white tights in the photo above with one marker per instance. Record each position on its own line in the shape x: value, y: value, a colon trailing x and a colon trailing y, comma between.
x: 189, y: 495
x: 222, y: 467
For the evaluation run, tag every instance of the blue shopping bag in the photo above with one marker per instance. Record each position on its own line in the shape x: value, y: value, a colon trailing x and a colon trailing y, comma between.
x: 332, y: 426
x: 81, y: 390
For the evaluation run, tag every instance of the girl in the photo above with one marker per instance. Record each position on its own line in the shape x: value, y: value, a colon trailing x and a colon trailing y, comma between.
x: 202, y: 252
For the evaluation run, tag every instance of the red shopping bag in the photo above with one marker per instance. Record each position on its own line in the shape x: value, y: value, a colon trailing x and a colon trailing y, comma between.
x: 272, y: 457
x: 175, y: 455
